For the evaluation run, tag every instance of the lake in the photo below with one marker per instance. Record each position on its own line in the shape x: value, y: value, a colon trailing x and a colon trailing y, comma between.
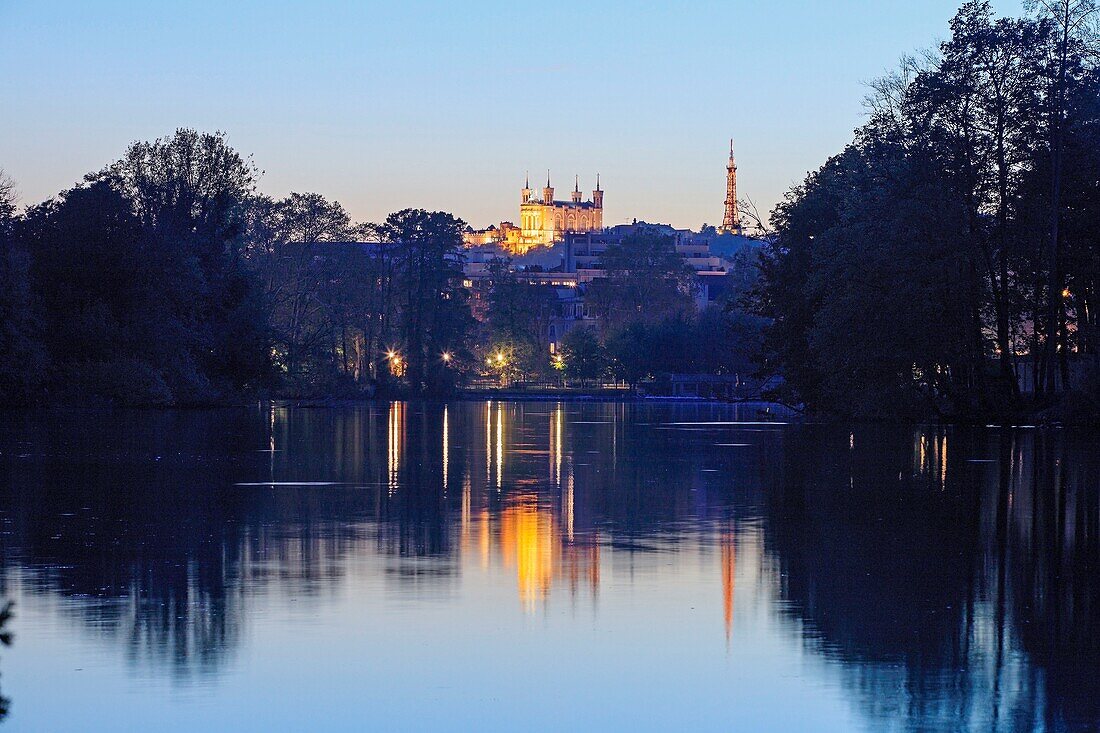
x: 542, y: 566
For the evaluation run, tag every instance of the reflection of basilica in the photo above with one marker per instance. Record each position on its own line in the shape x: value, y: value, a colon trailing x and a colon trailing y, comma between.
x: 531, y: 538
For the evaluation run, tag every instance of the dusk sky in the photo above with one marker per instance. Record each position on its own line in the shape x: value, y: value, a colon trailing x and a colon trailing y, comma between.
x: 444, y: 106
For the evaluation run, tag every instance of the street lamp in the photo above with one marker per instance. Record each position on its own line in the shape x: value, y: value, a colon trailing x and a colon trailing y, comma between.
x: 447, y: 357
x: 395, y: 363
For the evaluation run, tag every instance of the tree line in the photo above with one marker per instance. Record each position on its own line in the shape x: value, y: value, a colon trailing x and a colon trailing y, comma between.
x: 947, y: 261
x: 165, y: 279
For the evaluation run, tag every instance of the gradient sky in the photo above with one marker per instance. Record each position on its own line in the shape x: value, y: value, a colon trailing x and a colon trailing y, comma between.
x: 444, y: 105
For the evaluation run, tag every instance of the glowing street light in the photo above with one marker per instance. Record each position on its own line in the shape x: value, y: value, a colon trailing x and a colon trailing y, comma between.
x: 447, y: 356
x: 500, y: 357
x: 397, y: 369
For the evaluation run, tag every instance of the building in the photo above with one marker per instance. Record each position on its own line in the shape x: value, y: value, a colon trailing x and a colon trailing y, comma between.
x: 584, y: 253
x: 543, y: 221
x: 560, y: 245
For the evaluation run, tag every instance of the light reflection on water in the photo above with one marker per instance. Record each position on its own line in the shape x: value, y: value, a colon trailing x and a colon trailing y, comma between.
x: 544, y: 565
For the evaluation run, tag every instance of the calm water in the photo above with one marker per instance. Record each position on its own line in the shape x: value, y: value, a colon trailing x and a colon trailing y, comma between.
x: 541, y: 566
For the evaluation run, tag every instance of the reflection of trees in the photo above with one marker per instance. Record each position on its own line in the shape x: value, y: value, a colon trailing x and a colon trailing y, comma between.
x: 139, y: 521
x: 958, y: 592
x: 966, y: 586
x: 5, y: 639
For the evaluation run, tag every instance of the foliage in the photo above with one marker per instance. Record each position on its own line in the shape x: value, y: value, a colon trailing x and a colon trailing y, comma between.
x: 319, y: 291
x: 112, y: 295
x: 22, y: 359
x: 720, y: 340
x: 645, y: 280
x: 433, y: 313
x: 583, y: 356
x: 912, y: 272
x: 519, y: 314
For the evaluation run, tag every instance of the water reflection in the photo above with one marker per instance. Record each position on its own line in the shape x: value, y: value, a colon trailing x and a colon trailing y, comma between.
x: 943, y: 579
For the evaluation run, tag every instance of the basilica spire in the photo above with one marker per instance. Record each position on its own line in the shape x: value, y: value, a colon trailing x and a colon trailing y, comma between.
x: 548, y: 192
x: 576, y: 189
x: 525, y: 194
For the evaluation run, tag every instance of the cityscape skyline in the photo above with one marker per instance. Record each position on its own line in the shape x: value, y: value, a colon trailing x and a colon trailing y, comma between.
x: 445, y: 108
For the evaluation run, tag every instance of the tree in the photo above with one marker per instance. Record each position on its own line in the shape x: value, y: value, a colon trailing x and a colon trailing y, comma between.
x: 583, y: 355
x: 434, y: 316
x: 520, y: 313
x: 1073, y: 23
x: 22, y: 359
x: 301, y: 250
x: 982, y: 109
x: 115, y: 307
x: 911, y: 270
x: 631, y: 350
x: 645, y: 280
x: 190, y: 193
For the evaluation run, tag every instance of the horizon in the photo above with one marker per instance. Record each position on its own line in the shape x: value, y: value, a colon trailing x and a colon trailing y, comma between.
x: 342, y: 101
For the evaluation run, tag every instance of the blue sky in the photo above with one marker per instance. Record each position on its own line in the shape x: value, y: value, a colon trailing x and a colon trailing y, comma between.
x: 444, y: 105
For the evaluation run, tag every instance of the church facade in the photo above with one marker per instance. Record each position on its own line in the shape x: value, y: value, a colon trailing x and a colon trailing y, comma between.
x: 544, y: 221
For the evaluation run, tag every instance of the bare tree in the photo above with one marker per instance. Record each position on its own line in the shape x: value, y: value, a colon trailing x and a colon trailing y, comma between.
x: 8, y: 196
x: 758, y: 224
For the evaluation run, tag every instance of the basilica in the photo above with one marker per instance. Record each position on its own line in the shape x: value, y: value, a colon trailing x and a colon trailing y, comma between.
x: 544, y: 221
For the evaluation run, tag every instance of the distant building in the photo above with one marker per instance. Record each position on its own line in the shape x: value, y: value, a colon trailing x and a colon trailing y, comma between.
x: 544, y: 221
x: 570, y: 312
x: 584, y: 253
x: 561, y: 244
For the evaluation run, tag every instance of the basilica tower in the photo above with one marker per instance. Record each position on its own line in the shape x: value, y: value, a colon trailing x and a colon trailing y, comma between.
x: 731, y: 219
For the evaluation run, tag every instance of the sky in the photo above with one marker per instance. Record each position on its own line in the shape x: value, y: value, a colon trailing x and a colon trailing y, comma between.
x: 446, y: 105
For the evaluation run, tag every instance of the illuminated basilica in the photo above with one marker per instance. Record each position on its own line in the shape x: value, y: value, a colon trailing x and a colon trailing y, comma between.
x: 544, y: 221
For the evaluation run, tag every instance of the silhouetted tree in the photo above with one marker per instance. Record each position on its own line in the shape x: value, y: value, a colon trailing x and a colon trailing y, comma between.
x: 433, y: 314
x: 301, y: 247
x: 911, y: 270
x: 190, y: 193
x: 584, y: 355
x: 519, y: 314
x: 22, y: 359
